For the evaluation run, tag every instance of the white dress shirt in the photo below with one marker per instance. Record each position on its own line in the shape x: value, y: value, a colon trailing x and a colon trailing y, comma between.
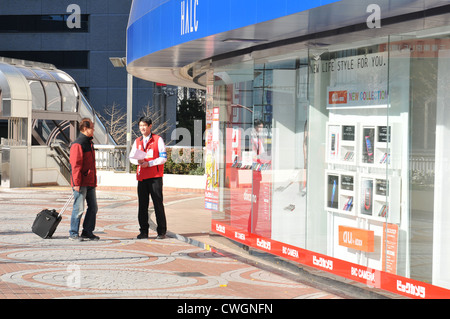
x: 161, y: 149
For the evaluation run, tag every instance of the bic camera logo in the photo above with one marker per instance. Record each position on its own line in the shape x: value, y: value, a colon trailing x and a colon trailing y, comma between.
x: 74, y: 19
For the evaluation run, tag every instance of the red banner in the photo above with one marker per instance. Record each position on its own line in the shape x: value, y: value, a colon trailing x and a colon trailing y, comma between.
x: 371, y: 277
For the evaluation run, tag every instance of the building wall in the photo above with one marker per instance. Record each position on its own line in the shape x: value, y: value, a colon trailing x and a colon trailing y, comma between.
x: 102, y: 83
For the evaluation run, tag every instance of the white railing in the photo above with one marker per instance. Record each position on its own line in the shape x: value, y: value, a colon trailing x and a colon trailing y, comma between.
x: 113, y: 157
x: 422, y: 163
x: 110, y: 157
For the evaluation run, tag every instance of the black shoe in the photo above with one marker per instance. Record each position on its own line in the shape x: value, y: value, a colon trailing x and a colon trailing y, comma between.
x: 160, y: 236
x: 142, y: 236
x: 89, y: 237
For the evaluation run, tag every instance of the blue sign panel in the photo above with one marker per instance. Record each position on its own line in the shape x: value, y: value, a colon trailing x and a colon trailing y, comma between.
x: 159, y: 24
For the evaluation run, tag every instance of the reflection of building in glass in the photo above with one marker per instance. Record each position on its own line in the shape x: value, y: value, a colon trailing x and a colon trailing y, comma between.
x: 45, y: 31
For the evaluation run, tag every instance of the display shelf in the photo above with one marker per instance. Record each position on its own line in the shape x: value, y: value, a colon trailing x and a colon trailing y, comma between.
x: 360, y: 152
x: 340, y: 195
x: 377, y: 142
x: 379, y: 198
x: 341, y: 143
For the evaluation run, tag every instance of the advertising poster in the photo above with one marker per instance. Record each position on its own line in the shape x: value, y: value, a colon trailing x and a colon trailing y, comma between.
x: 212, y: 159
x: 353, y: 85
x: 390, y: 244
x: 261, y: 206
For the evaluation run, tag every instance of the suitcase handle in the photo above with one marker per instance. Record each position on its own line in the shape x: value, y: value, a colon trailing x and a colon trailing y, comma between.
x: 66, y: 205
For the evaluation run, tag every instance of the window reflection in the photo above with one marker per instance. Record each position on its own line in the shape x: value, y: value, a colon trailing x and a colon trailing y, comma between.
x: 70, y: 97
x: 38, y: 96
x: 53, y: 96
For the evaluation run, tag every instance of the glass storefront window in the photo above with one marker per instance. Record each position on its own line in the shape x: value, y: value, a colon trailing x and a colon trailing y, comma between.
x: 341, y: 150
x: 233, y: 98
x: 357, y: 125
x: 425, y: 222
x: 280, y: 103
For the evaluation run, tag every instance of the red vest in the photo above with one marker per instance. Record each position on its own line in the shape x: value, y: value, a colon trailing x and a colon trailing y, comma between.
x: 152, y: 152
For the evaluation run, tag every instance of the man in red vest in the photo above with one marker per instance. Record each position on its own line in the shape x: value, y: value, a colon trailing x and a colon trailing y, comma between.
x: 149, y: 153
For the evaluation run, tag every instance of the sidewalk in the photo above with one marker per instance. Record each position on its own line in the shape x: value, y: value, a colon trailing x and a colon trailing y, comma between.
x: 190, y: 264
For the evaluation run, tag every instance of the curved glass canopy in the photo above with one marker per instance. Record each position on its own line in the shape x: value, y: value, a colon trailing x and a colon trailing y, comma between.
x: 52, y: 90
x: 49, y: 96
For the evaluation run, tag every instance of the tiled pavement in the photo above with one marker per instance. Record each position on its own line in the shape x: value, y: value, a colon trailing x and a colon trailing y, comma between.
x: 118, y: 265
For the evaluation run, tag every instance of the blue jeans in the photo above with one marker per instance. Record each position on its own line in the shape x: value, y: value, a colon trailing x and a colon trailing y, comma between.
x: 89, y: 195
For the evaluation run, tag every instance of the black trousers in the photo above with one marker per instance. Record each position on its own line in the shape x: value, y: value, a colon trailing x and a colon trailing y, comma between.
x: 154, y: 188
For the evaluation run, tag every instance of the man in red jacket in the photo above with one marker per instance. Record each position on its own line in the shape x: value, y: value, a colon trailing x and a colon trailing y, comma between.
x: 149, y: 174
x: 84, y: 182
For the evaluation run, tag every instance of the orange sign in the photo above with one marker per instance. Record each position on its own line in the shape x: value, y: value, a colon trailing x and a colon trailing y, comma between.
x: 390, y: 243
x: 356, y: 238
x: 337, y: 97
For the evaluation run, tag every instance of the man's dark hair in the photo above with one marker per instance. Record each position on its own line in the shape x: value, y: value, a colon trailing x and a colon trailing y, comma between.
x: 84, y: 124
x: 145, y: 119
x: 258, y: 122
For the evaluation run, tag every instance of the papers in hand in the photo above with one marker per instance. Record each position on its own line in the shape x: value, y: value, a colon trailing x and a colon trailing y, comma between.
x: 137, y: 154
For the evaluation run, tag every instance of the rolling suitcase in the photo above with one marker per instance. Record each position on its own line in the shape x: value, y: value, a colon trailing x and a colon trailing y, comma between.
x: 47, y: 221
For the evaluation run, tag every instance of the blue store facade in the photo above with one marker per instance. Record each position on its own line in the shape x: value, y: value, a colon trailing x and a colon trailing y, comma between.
x: 326, y: 131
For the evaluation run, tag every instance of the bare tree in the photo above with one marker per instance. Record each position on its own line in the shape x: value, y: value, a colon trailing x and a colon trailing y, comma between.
x: 159, y: 126
x: 114, y: 119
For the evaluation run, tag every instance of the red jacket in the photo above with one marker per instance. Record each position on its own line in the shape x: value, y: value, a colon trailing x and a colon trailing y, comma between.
x: 152, y: 151
x: 82, y: 162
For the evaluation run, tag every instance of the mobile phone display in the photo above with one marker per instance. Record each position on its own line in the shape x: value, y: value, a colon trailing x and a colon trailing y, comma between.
x: 333, y: 144
x: 333, y: 191
x: 368, y: 146
x: 367, y: 149
x: 367, y: 196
